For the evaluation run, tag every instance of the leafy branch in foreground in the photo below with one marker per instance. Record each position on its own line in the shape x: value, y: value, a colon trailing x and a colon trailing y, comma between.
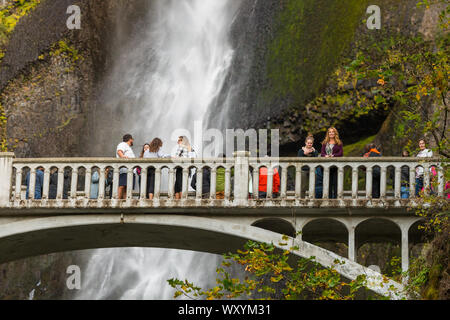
x: 270, y: 274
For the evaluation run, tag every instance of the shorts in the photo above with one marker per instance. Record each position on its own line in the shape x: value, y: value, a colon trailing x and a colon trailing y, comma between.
x: 123, y: 180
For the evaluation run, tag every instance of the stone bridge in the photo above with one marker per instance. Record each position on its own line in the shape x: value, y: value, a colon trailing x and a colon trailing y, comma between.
x: 201, y: 222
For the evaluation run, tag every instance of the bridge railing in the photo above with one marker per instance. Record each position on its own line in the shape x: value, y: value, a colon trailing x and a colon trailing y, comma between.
x: 289, y: 181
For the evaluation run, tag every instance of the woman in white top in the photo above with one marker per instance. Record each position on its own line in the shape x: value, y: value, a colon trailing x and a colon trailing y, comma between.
x: 184, y: 150
x: 153, y: 152
x: 423, y: 153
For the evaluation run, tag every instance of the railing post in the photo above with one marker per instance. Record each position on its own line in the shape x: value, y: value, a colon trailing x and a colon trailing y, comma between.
x: 241, y: 174
x: 6, y: 170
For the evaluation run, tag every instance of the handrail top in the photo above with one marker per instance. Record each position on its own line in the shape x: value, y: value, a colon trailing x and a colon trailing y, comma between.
x: 223, y: 160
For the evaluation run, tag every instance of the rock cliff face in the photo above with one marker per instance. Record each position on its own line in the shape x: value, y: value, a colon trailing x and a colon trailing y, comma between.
x: 287, y: 53
x: 49, y: 79
x: 50, y: 75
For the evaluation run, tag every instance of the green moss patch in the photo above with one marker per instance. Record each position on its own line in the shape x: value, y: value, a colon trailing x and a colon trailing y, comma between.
x: 310, y: 39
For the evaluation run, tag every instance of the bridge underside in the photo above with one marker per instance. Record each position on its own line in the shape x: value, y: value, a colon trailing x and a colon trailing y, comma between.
x: 32, y: 237
x: 80, y: 232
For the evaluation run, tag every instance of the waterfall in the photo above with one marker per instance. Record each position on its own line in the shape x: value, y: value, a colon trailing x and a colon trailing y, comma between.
x: 164, y: 79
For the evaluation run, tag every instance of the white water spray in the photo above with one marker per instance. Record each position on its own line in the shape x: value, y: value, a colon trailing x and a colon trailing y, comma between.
x: 164, y: 80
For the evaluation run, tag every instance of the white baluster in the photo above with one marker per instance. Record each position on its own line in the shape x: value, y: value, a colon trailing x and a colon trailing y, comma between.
x: 398, y: 182
x: 426, y: 178
x: 130, y: 186
x: 101, y: 184
x: 298, y: 181
x: 32, y: 185
x: 185, y: 189
x: 213, y: 183
x: 143, y: 185
x: 255, y: 181
x: 383, y: 182
x: 74, y: 184
x: 46, y: 187
x: 412, y: 181
x: 115, y: 186
x: 326, y: 182
x: 157, y: 195
x: 284, y: 176
x: 441, y: 181
x: 354, y: 182
x: 270, y: 177
x: 87, y: 182
x: 199, y: 194
x: 312, y: 182
x: 60, y: 188
x: 228, y: 183
x: 340, y: 182
x: 171, y: 191
x: 369, y: 179
x: 18, y: 184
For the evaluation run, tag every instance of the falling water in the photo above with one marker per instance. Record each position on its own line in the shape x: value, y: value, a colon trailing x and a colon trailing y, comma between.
x: 164, y: 79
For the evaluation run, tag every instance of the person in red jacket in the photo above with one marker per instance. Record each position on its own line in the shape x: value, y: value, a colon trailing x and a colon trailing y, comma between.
x: 263, y: 183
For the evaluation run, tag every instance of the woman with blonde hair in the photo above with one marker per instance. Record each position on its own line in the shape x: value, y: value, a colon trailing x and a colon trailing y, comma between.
x: 332, y: 147
x: 184, y: 150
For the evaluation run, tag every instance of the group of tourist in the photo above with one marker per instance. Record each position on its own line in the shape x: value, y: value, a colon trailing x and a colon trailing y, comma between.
x: 331, y: 147
x: 151, y: 151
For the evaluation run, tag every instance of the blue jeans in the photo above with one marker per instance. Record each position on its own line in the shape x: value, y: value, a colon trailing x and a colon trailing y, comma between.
x: 405, y: 192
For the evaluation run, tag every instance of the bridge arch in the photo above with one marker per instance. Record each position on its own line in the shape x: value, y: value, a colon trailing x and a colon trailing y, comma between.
x: 377, y: 230
x: 415, y: 234
x: 325, y: 230
x: 68, y: 233
x: 277, y: 225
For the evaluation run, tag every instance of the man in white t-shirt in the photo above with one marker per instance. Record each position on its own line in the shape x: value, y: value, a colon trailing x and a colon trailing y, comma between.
x: 124, y: 151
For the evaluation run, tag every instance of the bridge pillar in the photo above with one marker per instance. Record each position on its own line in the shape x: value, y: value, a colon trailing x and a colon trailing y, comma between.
x: 405, y: 248
x: 351, y: 244
x: 6, y: 168
x: 241, y: 173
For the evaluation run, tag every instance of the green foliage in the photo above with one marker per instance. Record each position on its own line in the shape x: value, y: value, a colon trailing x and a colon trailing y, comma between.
x: 270, y: 274
x: 62, y: 48
x: 427, y: 274
x: 10, y: 16
x: 413, y: 78
x: 357, y: 149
